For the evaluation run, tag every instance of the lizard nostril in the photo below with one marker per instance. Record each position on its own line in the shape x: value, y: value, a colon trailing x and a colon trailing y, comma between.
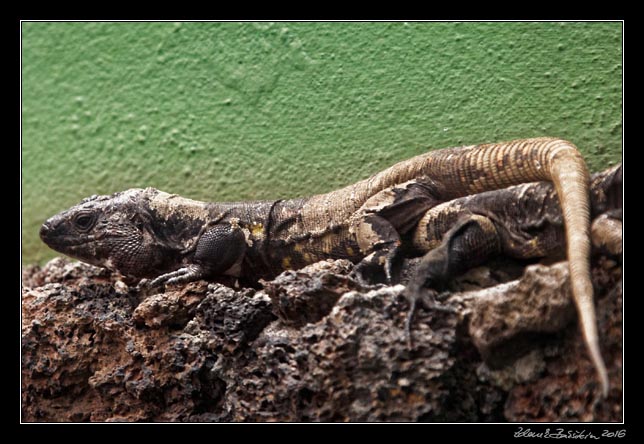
x: 45, y: 229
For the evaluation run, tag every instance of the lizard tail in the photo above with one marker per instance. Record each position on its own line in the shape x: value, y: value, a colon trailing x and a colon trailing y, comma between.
x: 474, y: 169
x: 570, y: 176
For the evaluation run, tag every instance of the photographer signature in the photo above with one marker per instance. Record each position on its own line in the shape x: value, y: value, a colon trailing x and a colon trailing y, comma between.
x: 568, y: 434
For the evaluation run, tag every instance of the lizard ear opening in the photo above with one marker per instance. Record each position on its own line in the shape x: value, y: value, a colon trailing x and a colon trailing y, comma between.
x: 141, y: 219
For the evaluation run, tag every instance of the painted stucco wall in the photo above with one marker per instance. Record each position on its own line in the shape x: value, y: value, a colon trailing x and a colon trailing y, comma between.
x: 228, y: 111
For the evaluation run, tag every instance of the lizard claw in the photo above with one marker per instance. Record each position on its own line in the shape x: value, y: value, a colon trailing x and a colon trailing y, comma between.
x: 366, y: 272
x: 182, y: 275
x: 427, y: 298
x: 422, y: 295
x: 143, y: 284
x: 410, y: 318
x: 378, y: 267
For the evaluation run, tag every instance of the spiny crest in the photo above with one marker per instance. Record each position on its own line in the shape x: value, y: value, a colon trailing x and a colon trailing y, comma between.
x: 129, y: 195
x: 95, y: 198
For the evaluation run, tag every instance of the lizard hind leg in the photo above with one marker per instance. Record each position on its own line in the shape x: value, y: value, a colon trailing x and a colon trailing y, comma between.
x: 471, y: 241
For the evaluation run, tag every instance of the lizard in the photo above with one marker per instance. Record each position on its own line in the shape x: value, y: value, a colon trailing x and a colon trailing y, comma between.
x: 147, y: 233
x: 522, y: 222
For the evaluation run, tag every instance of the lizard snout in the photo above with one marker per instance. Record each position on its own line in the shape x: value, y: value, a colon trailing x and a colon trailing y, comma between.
x: 45, y: 230
x: 50, y: 231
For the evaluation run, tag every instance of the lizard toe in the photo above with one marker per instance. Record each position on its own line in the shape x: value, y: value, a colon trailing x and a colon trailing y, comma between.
x: 428, y: 299
x: 182, y: 275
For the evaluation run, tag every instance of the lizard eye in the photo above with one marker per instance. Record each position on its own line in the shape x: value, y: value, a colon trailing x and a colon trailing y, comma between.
x: 84, y: 221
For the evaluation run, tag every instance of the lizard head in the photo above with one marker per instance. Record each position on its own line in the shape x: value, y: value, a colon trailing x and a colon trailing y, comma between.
x: 108, y: 231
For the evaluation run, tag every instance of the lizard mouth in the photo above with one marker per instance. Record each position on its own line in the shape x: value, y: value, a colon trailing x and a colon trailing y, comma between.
x: 55, y: 239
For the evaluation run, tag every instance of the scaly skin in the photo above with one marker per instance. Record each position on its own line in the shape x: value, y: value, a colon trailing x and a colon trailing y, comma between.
x: 523, y: 222
x: 148, y: 233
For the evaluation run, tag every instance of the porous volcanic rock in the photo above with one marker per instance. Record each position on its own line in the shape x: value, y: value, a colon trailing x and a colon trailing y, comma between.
x: 314, y: 345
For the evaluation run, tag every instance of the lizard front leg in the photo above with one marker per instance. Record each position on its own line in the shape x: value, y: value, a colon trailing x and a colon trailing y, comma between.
x: 380, y: 222
x: 377, y: 237
x: 471, y: 241
x: 216, y: 251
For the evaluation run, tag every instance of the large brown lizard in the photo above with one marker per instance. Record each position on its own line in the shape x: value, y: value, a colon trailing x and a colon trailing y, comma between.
x: 153, y: 234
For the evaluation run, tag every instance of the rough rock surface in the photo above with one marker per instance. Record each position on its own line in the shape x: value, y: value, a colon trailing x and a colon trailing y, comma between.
x: 314, y: 345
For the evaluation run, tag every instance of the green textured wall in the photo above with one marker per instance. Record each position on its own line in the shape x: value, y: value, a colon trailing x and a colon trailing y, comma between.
x: 227, y: 111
